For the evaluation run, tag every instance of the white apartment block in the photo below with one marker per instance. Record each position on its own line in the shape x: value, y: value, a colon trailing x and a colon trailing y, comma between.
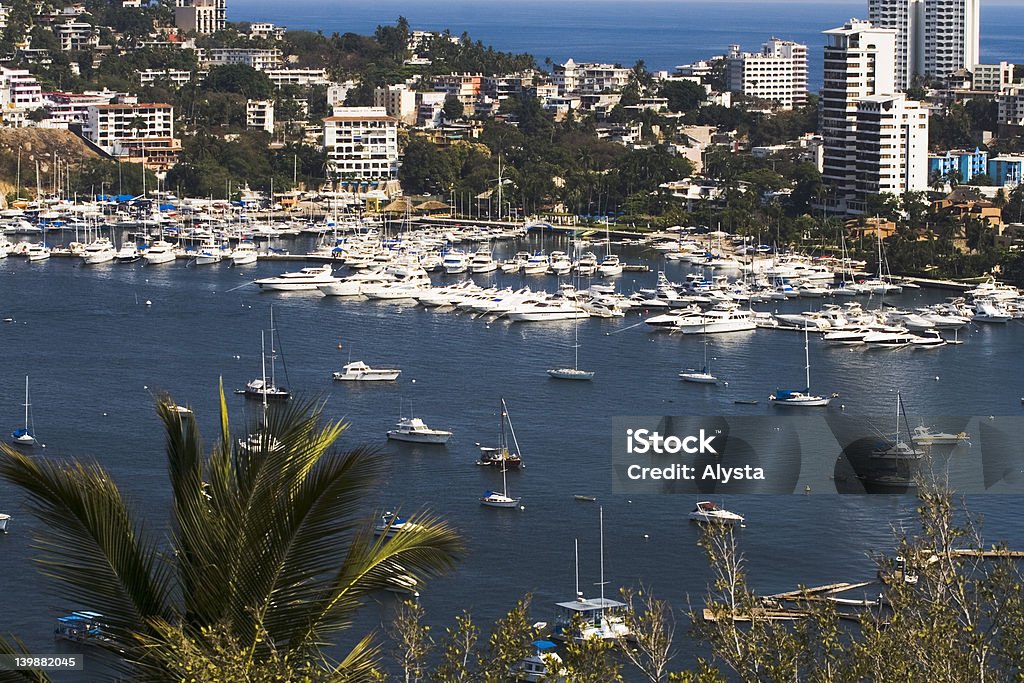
x: 176, y: 77
x: 5, y: 15
x: 859, y: 63
x: 303, y: 77
x: 259, y: 115
x: 934, y: 37
x: 589, y: 79
x: 266, y: 30
x: 430, y: 109
x: 992, y: 77
x: 19, y: 90
x: 892, y: 146
x: 137, y: 132
x: 77, y: 35
x: 200, y: 16
x: 68, y: 108
x: 776, y: 74
x: 466, y: 87
x: 361, y: 144
x: 261, y: 60
x: 1011, y: 107
x: 398, y: 101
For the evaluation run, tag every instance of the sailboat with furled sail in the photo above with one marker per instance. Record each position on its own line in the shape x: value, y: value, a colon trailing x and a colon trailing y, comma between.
x: 801, y: 397
x: 574, y: 372
x: 262, y: 387
x: 25, y: 436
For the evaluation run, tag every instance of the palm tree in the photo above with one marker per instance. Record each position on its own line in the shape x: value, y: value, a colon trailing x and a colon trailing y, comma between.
x: 271, y: 549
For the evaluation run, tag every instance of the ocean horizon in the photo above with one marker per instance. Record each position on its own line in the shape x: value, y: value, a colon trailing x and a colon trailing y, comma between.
x: 663, y: 33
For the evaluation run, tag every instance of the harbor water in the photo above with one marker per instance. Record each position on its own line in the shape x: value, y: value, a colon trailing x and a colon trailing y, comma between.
x: 99, y: 342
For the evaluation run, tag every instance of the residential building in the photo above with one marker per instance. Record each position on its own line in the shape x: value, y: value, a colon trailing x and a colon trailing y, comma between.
x: 301, y: 77
x: 589, y: 79
x: 5, y: 15
x: 1006, y: 169
x: 963, y: 163
x: 266, y: 30
x: 19, y: 93
x: 141, y: 133
x: 993, y: 77
x: 200, y: 16
x: 259, y: 115
x: 398, y: 101
x: 175, y: 77
x: 892, y: 147
x: 859, y: 62
x: 776, y: 74
x: 430, y: 109
x: 73, y: 108
x: 466, y: 87
x: 934, y: 38
x: 261, y: 60
x: 337, y: 93
x: 361, y: 143
x: 1011, y: 107
x: 77, y: 35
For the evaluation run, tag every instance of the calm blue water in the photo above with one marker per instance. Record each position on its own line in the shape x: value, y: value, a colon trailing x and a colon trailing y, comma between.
x: 96, y: 353
x: 663, y: 33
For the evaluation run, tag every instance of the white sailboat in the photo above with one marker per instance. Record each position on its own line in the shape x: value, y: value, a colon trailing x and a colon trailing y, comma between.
x: 574, y: 372
x: 260, y: 388
x: 704, y: 376
x: 801, y: 397
x: 25, y: 436
x: 899, y: 449
x: 500, y: 500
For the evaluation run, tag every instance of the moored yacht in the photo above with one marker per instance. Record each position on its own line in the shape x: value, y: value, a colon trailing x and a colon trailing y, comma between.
x: 706, y: 511
x: 160, y: 251
x: 482, y: 262
x: 358, y: 371
x: 128, y: 253
x: 610, y: 266
x: 37, y: 252
x: 301, y: 280
x: 718, y: 320
x: 414, y: 430
x: 100, y: 250
x: 455, y: 262
x: 244, y: 254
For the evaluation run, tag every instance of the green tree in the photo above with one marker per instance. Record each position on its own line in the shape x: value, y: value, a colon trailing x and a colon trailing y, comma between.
x: 239, y: 79
x: 271, y: 551
x: 683, y: 96
x: 453, y: 109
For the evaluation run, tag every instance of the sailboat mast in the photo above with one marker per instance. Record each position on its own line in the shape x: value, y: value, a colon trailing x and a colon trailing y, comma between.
x: 273, y: 354
x: 576, y: 543
x: 26, y: 403
x: 807, y: 358
x: 601, y: 512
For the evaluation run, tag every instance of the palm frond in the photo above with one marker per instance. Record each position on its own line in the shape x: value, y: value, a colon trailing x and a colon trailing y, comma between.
x: 15, y: 646
x: 98, y: 555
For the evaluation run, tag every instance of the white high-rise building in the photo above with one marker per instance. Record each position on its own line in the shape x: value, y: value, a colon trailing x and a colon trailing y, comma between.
x: 859, y: 62
x: 892, y: 147
x: 934, y: 37
x: 777, y: 74
x: 361, y: 143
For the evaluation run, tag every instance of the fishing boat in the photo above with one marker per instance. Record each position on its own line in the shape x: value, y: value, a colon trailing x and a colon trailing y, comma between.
x: 25, y: 436
x: 800, y: 397
x: 414, y: 430
x: 585, y: 618
x: 501, y: 455
x: 706, y: 511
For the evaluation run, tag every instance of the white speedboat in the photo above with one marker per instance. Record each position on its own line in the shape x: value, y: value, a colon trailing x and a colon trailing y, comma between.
x: 100, y: 250
x: 390, y: 523
x: 455, y: 262
x: 159, y: 252
x: 482, y: 262
x: 297, y: 281
x: 718, y: 320
x: 560, y: 263
x: 610, y: 266
x: 358, y: 371
x: 414, y: 430
x: 928, y: 339
x: 537, y: 264
x: 4, y: 518
x: 706, y: 511
x: 128, y: 253
x: 546, y: 310
x: 210, y: 255
x: 924, y: 435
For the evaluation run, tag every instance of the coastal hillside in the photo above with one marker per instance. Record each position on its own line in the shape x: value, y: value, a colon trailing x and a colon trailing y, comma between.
x: 38, y: 145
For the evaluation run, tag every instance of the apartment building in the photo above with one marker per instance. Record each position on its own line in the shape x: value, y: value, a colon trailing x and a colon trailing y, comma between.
x: 1006, y: 169
x: 19, y: 94
x: 361, y: 144
x: 965, y: 163
x: 934, y: 38
x: 142, y: 133
x: 892, y: 146
x: 466, y: 87
x: 266, y: 30
x: 992, y: 77
x: 301, y: 77
x: 77, y: 35
x: 200, y: 16
x: 259, y: 115
x: 398, y: 101
x: 776, y: 74
x: 175, y: 77
x: 589, y: 79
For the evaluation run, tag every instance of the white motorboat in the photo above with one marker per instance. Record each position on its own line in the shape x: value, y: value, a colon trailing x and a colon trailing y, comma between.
x: 544, y: 664
x: 128, y: 253
x: 390, y: 523
x: 706, y: 511
x: 358, y: 371
x: 516, y: 263
x: 414, y: 430
x: 455, y: 262
x: 538, y: 311
x: 537, y: 264
x: 928, y: 339
x: 307, y: 279
x: 160, y: 251
x: 587, y: 265
x: 560, y: 263
x: 100, y: 250
x: 889, y: 340
x: 209, y: 256
x: 610, y: 266
x: 244, y: 254
x: 37, y: 252
x: 925, y: 436
x: 4, y: 519
x: 482, y: 262
x: 989, y: 311
x: 718, y: 320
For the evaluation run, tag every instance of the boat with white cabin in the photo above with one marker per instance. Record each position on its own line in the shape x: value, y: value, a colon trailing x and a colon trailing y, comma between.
x: 415, y: 430
x: 707, y: 511
x: 358, y: 371
x: 306, y: 279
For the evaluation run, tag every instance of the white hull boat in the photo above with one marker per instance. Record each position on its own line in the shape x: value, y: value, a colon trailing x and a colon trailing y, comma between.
x: 708, y: 512
x: 159, y: 252
x: 358, y: 371
x: 306, y: 279
x: 99, y: 251
x: 414, y: 430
